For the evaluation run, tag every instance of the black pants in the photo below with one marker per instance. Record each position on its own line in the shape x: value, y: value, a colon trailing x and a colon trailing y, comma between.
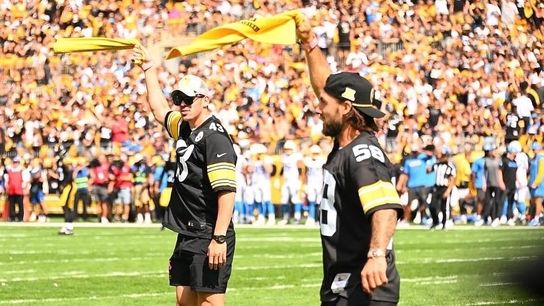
x: 509, y: 196
x: 439, y: 203
x: 493, y: 203
x: 84, y: 196
x: 421, y: 194
x: 159, y: 210
x: 14, y: 200
x: 69, y: 214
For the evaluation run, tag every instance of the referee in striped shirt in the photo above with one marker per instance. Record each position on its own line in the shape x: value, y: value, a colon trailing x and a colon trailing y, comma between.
x: 445, y: 180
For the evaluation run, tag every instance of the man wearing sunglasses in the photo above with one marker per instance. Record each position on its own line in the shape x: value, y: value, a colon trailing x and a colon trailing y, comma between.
x: 202, y: 201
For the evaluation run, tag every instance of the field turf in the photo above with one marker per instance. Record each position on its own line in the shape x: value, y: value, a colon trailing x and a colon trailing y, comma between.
x: 273, y: 266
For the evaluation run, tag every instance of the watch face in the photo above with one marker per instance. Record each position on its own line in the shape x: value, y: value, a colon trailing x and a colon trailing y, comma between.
x: 220, y: 238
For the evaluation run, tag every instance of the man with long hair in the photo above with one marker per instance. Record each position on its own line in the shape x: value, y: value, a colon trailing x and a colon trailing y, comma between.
x: 360, y: 206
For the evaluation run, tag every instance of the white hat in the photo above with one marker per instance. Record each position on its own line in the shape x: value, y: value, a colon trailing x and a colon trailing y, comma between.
x: 258, y: 148
x: 289, y: 145
x: 192, y: 85
x: 138, y: 157
x: 315, y: 149
x: 514, y: 147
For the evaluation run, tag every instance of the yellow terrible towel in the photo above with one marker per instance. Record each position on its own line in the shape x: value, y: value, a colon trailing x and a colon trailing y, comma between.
x: 82, y: 44
x: 277, y: 29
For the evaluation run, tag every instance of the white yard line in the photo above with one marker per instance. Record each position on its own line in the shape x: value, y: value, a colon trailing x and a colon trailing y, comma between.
x: 141, y: 295
x: 276, y: 267
x: 18, y: 271
x: 83, y: 275
x: 86, y: 298
x: 497, y: 284
x: 517, y: 302
x: 57, y: 261
x: 280, y: 256
x: 246, y: 226
x: 461, y: 260
x: 430, y: 278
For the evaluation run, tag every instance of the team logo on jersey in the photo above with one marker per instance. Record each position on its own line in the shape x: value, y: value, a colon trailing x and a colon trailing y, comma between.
x: 199, y: 136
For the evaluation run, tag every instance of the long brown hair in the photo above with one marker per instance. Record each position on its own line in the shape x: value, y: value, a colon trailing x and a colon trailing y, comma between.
x: 360, y: 122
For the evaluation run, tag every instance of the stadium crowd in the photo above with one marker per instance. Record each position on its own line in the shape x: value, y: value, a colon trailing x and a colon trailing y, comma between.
x: 456, y: 77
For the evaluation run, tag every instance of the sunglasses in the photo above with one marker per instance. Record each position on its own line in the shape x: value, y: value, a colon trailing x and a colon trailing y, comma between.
x: 178, y: 98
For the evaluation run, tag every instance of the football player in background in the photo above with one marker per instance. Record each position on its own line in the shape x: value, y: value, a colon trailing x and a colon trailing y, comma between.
x: 291, y: 188
x: 260, y: 171
x: 314, y: 181
x: 536, y: 183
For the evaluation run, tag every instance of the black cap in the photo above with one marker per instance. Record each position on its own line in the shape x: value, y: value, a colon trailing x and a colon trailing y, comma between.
x: 429, y: 147
x: 356, y: 89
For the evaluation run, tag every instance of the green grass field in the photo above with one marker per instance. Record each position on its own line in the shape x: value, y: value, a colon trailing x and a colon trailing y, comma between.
x: 273, y: 266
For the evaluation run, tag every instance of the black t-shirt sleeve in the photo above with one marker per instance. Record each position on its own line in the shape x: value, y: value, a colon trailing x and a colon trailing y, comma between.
x: 368, y: 168
x: 220, y: 161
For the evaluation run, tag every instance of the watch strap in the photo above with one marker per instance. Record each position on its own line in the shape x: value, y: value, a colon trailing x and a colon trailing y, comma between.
x: 375, y: 253
x: 219, y: 238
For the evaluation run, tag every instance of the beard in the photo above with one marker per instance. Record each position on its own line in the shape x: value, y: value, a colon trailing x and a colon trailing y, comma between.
x: 332, y: 128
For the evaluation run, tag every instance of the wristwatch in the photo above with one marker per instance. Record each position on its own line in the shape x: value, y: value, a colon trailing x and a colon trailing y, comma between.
x: 375, y: 253
x: 219, y: 238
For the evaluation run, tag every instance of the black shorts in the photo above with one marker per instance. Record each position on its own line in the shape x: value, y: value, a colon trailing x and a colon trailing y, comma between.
x: 419, y: 193
x: 189, y: 265
x: 354, y: 295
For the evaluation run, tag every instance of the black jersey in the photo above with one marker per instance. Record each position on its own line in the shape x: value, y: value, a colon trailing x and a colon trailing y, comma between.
x: 512, y: 126
x: 205, y: 160
x: 357, y: 183
x: 509, y: 171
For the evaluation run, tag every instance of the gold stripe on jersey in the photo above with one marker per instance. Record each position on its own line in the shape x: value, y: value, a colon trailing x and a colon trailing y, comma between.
x: 223, y: 165
x: 172, y: 123
x: 227, y: 174
x: 223, y: 183
x: 222, y: 175
x: 377, y: 194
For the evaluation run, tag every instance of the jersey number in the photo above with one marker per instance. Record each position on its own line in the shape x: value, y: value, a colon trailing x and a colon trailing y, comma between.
x: 216, y: 127
x: 364, y: 151
x: 183, y: 170
x: 328, y: 212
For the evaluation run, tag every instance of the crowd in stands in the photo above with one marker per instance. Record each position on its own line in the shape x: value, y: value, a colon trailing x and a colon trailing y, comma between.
x: 457, y: 74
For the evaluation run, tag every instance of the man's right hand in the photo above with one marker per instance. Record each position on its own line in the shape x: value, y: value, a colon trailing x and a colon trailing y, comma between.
x: 140, y: 56
x: 304, y: 29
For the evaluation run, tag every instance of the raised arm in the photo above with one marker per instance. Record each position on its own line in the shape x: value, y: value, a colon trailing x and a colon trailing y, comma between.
x: 318, y: 67
x: 155, y: 98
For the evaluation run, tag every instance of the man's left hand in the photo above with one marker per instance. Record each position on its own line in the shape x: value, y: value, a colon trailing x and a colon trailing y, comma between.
x: 373, y: 274
x: 217, y: 255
